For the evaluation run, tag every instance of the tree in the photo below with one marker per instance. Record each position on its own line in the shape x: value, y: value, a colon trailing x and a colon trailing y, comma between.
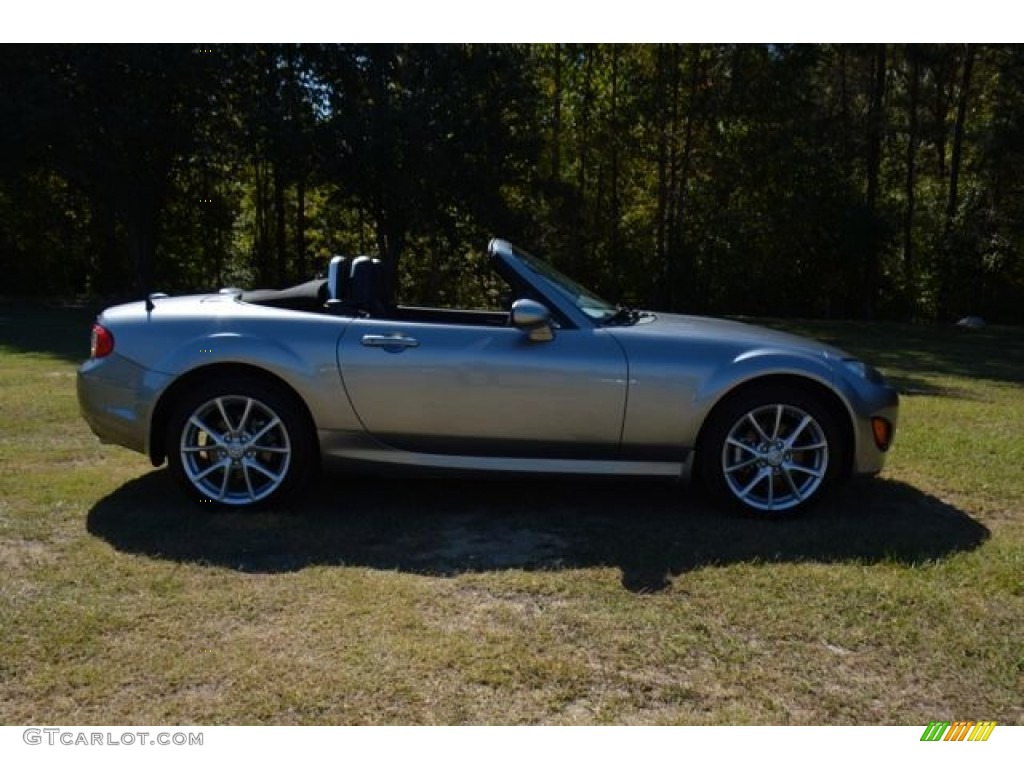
x: 837, y: 180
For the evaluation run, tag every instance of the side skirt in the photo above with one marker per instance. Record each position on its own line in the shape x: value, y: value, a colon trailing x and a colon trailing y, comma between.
x: 357, y: 449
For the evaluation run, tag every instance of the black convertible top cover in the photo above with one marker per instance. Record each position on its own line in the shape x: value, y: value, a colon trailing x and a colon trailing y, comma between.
x: 309, y: 296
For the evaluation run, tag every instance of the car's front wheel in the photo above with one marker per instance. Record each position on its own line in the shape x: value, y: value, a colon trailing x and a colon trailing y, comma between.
x: 772, y: 451
x: 239, y: 443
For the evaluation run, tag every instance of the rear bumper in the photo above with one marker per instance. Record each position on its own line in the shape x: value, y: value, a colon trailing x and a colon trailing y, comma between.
x: 116, y: 398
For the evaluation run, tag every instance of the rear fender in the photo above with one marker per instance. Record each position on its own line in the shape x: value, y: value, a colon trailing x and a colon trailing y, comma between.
x: 309, y: 367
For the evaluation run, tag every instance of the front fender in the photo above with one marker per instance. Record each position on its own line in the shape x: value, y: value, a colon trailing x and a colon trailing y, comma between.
x: 759, y: 363
x: 780, y: 366
x: 671, y: 397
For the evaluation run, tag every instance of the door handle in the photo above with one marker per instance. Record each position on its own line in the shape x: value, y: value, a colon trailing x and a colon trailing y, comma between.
x: 394, y: 340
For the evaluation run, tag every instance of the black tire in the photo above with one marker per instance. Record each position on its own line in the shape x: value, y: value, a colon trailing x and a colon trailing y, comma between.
x: 771, y: 451
x: 240, y: 442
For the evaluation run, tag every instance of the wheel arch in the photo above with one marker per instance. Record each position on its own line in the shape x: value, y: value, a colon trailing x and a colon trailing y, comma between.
x: 171, y: 396
x: 810, y: 386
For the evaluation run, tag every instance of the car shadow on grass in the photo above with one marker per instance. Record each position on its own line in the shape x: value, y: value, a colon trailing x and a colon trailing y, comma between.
x: 652, y: 532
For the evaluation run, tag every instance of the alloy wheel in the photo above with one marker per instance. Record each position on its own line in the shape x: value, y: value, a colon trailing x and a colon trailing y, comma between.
x: 775, y: 457
x: 235, y: 450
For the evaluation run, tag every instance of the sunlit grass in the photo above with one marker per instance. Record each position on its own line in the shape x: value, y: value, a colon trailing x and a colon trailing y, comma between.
x: 455, y: 601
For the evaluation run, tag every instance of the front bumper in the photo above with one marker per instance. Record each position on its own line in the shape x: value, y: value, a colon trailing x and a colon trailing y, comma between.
x: 881, y: 403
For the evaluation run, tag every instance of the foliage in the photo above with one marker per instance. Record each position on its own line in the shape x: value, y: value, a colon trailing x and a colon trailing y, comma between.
x: 827, y: 180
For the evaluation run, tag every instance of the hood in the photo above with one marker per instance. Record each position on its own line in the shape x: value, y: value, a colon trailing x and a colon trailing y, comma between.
x: 713, y: 330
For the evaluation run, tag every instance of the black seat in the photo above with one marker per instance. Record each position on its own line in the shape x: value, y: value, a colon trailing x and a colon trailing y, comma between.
x: 362, y: 289
x: 366, y: 286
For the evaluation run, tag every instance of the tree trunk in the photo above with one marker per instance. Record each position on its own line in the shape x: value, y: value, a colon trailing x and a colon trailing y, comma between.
x: 581, y: 227
x: 662, y: 190
x: 958, y: 137
x: 300, y: 229
x: 141, y: 227
x: 390, y: 241
x: 876, y: 118
x: 107, y: 268
x: 556, y: 137
x: 844, y: 109
x: 910, y: 181
x: 614, y: 211
x: 681, y: 263
x: 668, y: 175
x: 261, y: 237
x: 280, y: 239
x: 951, y: 253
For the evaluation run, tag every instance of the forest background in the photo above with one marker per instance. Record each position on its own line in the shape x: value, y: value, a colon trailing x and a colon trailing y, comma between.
x: 846, y: 181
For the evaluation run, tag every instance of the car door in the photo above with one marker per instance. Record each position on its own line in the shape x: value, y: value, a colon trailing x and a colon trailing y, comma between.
x: 485, y: 390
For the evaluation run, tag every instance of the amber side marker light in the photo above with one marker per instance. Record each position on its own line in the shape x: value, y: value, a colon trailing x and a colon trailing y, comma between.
x: 882, y: 431
x: 102, y: 342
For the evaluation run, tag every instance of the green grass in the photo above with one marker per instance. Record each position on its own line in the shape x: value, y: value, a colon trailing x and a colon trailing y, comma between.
x: 381, y: 600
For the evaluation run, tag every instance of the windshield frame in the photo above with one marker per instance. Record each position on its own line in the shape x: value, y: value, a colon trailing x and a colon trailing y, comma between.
x: 581, y: 304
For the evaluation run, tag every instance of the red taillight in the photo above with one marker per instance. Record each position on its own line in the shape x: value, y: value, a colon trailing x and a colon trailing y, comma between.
x: 102, y: 343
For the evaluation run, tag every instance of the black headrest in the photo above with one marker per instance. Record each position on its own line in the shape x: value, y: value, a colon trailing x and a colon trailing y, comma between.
x: 361, y: 282
x: 337, y: 277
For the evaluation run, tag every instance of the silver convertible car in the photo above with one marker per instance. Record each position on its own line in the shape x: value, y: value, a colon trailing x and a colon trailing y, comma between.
x: 245, y: 394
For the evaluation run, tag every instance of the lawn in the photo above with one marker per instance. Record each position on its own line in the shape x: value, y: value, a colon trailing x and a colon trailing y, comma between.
x: 381, y: 600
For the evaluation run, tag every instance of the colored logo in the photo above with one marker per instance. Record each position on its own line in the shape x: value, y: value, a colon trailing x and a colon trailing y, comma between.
x: 958, y: 731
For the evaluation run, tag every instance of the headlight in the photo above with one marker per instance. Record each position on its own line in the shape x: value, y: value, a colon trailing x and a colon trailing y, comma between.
x: 864, y: 371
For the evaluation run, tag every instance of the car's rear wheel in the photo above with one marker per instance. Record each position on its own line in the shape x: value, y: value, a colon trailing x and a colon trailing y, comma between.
x: 772, y: 451
x: 239, y: 443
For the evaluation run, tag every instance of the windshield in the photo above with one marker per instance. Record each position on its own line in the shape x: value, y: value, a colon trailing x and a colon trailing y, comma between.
x: 587, y: 301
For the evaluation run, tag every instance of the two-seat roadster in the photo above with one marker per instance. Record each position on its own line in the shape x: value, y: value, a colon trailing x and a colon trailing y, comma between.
x: 246, y: 393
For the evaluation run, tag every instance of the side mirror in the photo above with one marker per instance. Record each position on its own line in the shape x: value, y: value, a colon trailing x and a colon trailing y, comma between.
x: 533, y: 319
